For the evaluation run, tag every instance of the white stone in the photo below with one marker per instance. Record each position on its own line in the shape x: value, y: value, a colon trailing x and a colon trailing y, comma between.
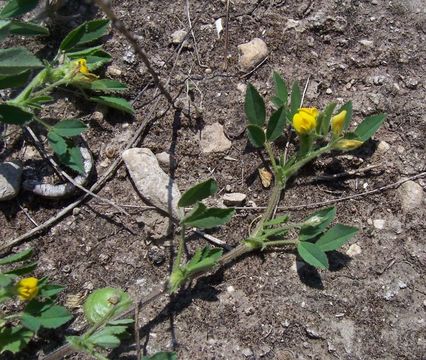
x: 354, y: 250
x: 411, y: 196
x: 10, y: 179
x: 383, y: 147
x: 213, y: 139
x: 251, y: 54
x: 151, y: 181
x: 379, y: 224
x: 234, y: 199
x: 113, y: 71
x: 177, y: 37
x: 366, y: 43
x: 164, y: 159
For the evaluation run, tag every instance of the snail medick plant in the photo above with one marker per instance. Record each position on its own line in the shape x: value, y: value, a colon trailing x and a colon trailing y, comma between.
x: 77, y: 58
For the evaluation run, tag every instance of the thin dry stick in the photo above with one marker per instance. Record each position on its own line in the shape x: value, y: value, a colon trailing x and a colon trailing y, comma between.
x: 257, y: 67
x: 193, y: 36
x: 95, y: 187
x: 27, y: 214
x: 212, y: 239
x: 119, y: 25
x: 225, y: 66
x: 55, y: 165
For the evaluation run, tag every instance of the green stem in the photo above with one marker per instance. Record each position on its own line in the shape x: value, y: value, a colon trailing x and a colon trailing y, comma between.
x: 280, y: 242
x: 48, y: 88
x: 38, y: 80
x: 268, y: 149
x: 42, y: 122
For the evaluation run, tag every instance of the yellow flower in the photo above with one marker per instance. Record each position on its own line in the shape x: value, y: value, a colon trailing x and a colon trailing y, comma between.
x: 347, y: 144
x: 337, y: 122
x: 305, y: 120
x: 27, y: 288
x: 81, y: 65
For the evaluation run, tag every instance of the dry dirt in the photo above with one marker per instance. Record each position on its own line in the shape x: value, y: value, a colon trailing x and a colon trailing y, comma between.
x: 371, y: 306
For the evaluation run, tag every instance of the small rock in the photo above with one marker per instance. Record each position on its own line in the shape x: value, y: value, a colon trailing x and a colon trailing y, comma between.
x: 164, y: 159
x: 151, y: 181
x: 228, y: 188
x: 383, y: 147
x: 354, y: 250
x: 247, y: 352
x: 156, y: 255
x: 366, y: 43
x: 401, y: 284
x: 98, y: 116
x: 313, y: 334
x: 230, y: 289
x: 411, y: 196
x: 113, y: 71
x: 378, y: 80
x: 157, y: 226
x: 249, y: 310
x: 389, y: 295
x: 129, y: 56
x: 213, y: 139
x: 252, y: 53
x: 328, y: 91
x: 379, y: 224
x: 177, y: 37
x: 234, y: 199
x: 10, y: 179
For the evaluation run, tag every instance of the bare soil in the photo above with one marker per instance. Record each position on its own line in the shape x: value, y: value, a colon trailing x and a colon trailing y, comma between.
x: 264, y: 306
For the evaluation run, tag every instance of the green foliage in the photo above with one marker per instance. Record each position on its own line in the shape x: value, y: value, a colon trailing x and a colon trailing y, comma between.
x: 348, y: 108
x: 115, y: 103
x: 254, y: 107
x: 107, y: 85
x: 203, y: 260
x: 198, y: 192
x: 44, y: 314
x: 336, y: 237
x: 325, y: 117
x: 203, y: 217
x: 316, y: 223
x: 14, y: 8
x: 69, y: 128
x: 296, y: 99
x: 369, y: 126
x: 10, y: 114
x: 84, y: 34
x: 14, y: 80
x: 281, y: 92
x: 27, y: 29
x: 20, y: 256
x: 256, y: 135
x: 16, y: 60
x: 161, y: 356
x: 14, y: 339
x: 312, y: 254
x: 276, y: 124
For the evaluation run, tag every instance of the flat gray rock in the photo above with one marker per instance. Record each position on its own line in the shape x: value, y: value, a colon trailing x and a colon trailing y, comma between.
x: 251, y: 54
x: 151, y: 181
x: 213, y: 139
x: 411, y: 196
x: 10, y: 180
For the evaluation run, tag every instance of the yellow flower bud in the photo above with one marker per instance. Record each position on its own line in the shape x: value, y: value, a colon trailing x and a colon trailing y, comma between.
x: 347, y: 144
x: 305, y: 120
x: 81, y: 67
x: 337, y: 122
x: 27, y: 288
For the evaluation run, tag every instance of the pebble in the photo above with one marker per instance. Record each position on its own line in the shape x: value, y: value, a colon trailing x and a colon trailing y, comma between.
x: 234, y: 199
x: 328, y: 91
x: 366, y: 43
x: 10, y: 179
x: 354, y: 250
x: 177, y: 37
x: 247, y: 352
x: 164, y: 159
x: 129, y: 56
x: 402, y: 285
x: 156, y: 255
x: 313, y: 334
x: 251, y: 54
x: 113, y: 71
x: 411, y: 196
x: 383, y: 147
x: 379, y: 224
x: 151, y: 181
x: 213, y: 139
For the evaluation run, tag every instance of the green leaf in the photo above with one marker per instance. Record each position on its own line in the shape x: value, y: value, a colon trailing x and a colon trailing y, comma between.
x: 121, y: 322
x: 14, y: 339
x: 10, y: 114
x: 85, y: 33
x: 69, y: 128
x: 336, y: 237
x: 348, y: 107
x: 115, y: 103
x: 207, y: 218
x: 38, y: 101
x: 105, y: 304
x: 276, y: 221
x: 57, y: 143
x: 105, y: 341
x: 95, y: 62
x: 198, y: 192
x: 276, y: 124
x: 4, y: 29
x: 16, y: 8
x: 312, y: 254
x: 22, y: 270
x: 369, y: 126
x: 51, y: 290
x: 161, y: 356
x: 17, y: 60
x: 281, y: 91
x: 15, y: 80
x: 27, y: 29
x: 83, y: 53
x: 5, y: 280
x: 203, y: 259
x: 254, y: 107
x: 326, y: 117
x: 268, y: 233
x: 107, y: 85
x: 316, y: 223
x: 72, y: 158
x: 296, y: 99
x: 51, y: 318
x: 256, y: 135
x: 20, y: 256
